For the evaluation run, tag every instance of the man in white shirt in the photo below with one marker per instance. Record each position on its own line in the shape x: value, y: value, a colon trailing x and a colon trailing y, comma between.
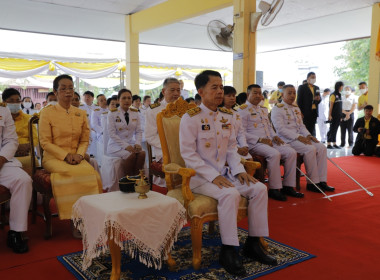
x: 323, y: 109
x: 184, y: 92
x: 89, y: 107
x: 347, y: 123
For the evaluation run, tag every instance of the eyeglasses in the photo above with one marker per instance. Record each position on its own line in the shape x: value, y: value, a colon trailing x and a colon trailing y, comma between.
x: 66, y: 89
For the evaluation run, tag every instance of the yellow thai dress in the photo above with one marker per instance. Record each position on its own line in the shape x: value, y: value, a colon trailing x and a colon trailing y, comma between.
x: 62, y: 132
x: 21, y: 123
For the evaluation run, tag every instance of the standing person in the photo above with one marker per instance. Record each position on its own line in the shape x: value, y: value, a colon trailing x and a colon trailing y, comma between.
x: 265, y: 101
x: 335, y: 115
x: 363, y: 98
x: 184, y: 92
x: 308, y: 98
x: 287, y: 121
x: 64, y: 136
x: 276, y: 96
x: 206, y: 149
x: 16, y: 180
x: 347, y: 123
x: 368, y: 129
x: 38, y: 107
x: 136, y: 102
x: 323, y: 115
x: 262, y: 140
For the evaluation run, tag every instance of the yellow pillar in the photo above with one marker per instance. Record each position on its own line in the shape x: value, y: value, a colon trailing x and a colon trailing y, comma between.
x: 374, y: 62
x: 244, y: 66
x: 132, y: 57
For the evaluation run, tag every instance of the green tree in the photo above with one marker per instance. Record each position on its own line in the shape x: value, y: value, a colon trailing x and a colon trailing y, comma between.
x: 354, y: 61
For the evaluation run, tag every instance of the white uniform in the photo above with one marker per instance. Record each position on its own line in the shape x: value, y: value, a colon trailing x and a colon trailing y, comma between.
x: 121, y: 134
x: 96, y: 123
x: 323, y: 112
x: 207, y: 142
x: 257, y: 125
x: 151, y: 132
x: 287, y: 121
x: 12, y: 176
x: 89, y: 110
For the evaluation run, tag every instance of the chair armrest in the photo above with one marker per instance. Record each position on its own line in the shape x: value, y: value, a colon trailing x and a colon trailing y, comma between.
x: 186, y: 174
x: 250, y: 166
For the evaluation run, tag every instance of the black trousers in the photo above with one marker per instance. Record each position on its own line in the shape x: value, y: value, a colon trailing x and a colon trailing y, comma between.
x: 310, y: 124
x: 334, y: 125
x: 347, y: 126
x: 365, y: 146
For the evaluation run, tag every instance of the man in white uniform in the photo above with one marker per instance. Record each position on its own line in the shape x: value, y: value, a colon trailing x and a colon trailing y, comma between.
x: 89, y: 107
x: 96, y: 123
x: 287, y: 120
x: 262, y: 140
x: 323, y: 114
x: 207, y: 142
x: 16, y: 180
x: 171, y: 92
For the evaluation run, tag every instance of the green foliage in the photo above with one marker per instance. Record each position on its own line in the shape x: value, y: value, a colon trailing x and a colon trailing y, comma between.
x: 354, y: 61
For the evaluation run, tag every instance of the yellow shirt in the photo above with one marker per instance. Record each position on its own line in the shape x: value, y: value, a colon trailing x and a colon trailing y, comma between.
x: 332, y: 98
x: 366, y: 126
x: 266, y: 104
x: 21, y: 123
x: 63, y: 131
x: 362, y: 99
x: 311, y: 87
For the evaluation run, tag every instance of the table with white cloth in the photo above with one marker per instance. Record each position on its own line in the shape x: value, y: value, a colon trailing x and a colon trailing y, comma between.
x: 117, y: 221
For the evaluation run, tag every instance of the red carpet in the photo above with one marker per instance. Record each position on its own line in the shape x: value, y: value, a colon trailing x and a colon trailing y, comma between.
x: 343, y: 234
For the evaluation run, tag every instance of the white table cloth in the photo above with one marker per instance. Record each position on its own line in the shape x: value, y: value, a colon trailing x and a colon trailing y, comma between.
x: 148, y: 227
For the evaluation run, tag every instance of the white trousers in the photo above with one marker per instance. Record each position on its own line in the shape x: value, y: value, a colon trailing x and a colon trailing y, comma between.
x: 228, y: 204
x: 19, y: 184
x: 322, y: 129
x: 272, y: 156
x: 315, y: 159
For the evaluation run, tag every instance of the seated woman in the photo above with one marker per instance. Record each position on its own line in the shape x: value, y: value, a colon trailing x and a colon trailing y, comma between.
x: 125, y: 134
x: 64, y: 136
x: 13, y: 99
x: 27, y: 106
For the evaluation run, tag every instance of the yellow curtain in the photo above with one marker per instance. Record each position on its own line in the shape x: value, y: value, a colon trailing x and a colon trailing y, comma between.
x: 378, y: 45
x: 19, y: 64
x: 87, y: 66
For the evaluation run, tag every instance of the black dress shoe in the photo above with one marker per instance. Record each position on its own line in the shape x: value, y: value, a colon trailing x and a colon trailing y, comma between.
x: 276, y: 194
x: 330, y: 147
x: 325, y: 187
x: 291, y: 192
x: 230, y: 261
x: 312, y: 188
x: 252, y: 249
x: 16, y: 242
x: 337, y: 147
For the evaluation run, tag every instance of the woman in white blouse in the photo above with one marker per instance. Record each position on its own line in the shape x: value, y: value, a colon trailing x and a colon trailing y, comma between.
x: 125, y: 134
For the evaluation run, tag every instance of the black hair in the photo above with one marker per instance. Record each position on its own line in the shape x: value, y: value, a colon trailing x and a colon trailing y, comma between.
x: 280, y: 84
x: 89, y: 93
x: 241, y: 98
x: 77, y: 94
x: 161, y: 95
x: 9, y: 92
x: 287, y: 86
x: 188, y: 100
x: 252, y: 86
x: 122, y: 91
x: 229, y: 90
x: 326, y: 90
x: 338, y: 85
x: 51, y: 93
x: 309, y: 74
x: 136, y: 97
x: 146, y: 97
x: 22, y: 106
x: 368, y: 107
x: 265, y: 94
x: 57, y: 79
x: 304, y: 82
x: 113, y: 97
x: 197, y: 97
x: 99, y: 95
x: 202, y: 78
x: 362, y: 83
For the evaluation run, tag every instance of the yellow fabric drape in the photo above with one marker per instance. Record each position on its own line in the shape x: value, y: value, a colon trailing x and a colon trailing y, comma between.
x: 87, y: 66
x: 378, y: 45
x: 19, y: 64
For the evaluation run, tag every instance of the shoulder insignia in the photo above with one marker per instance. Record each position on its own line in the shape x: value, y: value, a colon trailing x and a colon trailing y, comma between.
x: 243, y: 106
x: 194, y: 111
x: 114, y: 110
x: 235, y: 108
x: 2, y: 104
x: 97, y: 109
x: 224, y: 110
x: 81, y: 104
x: 106, y: 112
x: 295, y: 105
x: 280, y: 105
x: 133, y: 109
x: 154, y: 105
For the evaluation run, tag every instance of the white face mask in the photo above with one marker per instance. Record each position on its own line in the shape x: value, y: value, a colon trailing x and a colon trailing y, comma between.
x: 14, y: 108
x: 52, y: 103
x: 27, y: 105
x: 363, y: 90
x: 312, y: 81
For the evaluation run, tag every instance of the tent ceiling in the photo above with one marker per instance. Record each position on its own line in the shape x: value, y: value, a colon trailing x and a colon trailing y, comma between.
x: 299, y: 23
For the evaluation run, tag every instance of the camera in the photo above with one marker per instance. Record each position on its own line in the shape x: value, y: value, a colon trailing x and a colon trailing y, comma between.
x: 328, y: 121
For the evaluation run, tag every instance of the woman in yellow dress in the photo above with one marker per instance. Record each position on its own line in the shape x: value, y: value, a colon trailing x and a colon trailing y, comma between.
x: 13, y: 99
x: 64, y: 136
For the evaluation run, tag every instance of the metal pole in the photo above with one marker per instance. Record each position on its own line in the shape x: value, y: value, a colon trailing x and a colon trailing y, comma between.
x: 314, y: 184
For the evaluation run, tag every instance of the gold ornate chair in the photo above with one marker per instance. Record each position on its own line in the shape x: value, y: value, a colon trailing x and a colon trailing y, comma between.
x: 200, y: 208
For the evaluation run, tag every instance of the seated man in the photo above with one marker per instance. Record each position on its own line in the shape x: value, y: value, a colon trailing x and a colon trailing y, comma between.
x: 368, y: 129
x: 207, y: 142
x: 171, y: 92
x: 263, y: 140
x: 96, y: 124
x: 287, y: 120
x: 16, y: 180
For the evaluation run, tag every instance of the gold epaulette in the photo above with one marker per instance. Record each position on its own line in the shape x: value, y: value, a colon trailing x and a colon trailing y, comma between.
x: 113, y: 110
x: 243, y: 106
x: 295, y: 105
x: 194, y: 111
x: 81, y: 104
x: 224, y: 110
x: 106, y: 112
x: 133, y: 109
x: 280, y: 105
x: 97, y: 109
x: 154, y: 105
x: 2, y: 104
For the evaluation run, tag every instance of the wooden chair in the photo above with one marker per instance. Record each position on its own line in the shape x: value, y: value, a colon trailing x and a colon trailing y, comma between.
x: 5, y: 196
x: 200, y: 208
x: 41, y: 182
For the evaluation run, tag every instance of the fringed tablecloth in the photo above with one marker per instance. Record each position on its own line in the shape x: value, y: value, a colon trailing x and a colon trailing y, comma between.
x: 144, y: 227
